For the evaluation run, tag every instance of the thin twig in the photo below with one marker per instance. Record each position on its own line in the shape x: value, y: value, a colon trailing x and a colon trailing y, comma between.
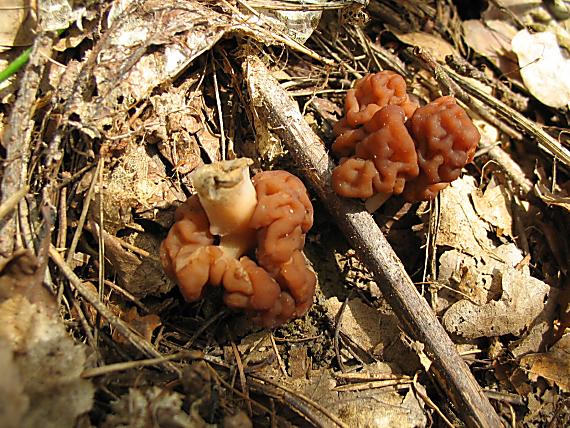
x: 138, y: 342
x: 338, y: 323
x: 304, y: 398
x: 220, y: 113
x: 101, y: 246
x: 84, y: 212
x: 61, y: 238
x: 510, y: 115
x: 276, y: 351
x: 432, y: 405
x: 129, y: 365
x: 18, y: 136
x: 242, y: 379
x: 9, y: 204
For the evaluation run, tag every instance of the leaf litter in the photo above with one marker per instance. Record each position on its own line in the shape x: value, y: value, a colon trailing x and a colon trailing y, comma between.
x: 155, y: 90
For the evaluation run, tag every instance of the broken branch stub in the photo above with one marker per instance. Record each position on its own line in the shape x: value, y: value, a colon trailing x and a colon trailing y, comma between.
x: 280, y: 113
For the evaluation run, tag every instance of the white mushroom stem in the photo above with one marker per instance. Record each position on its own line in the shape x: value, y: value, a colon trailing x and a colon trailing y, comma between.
x: 227, y: 195
x: 374, y: 203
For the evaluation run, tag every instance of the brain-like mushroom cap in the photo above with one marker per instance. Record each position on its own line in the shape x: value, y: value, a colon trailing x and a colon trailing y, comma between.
x: 355, y: 178
x: 388, y: 148
x: 282, y: 286
x: 372, y: 93
x: 283, y: 216
x: 446, y: 139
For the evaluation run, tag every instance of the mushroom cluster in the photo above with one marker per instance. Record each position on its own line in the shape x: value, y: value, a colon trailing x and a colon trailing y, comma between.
x: 229, y: 219
x: 388, y: 145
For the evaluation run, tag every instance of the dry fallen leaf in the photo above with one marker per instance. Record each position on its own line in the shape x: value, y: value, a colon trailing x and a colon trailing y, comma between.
x: 460, y: 226
x: 49, y: 365
x: 494, y: 206
x: 139, y: 274
x: 177, y: 118
x: 13, y: 397
x: 431, y: 43
x: 299, y: 24
x: 367, y: 407
x: 360, y: 322
x: 135, y: 184
x: 17, y: 23
x: 20, y: 274
x: 521, y: 301
x: 142, y: 324
x: 492, y: 39
x: 487, y: 294
x: 554, y: 365
x: 543, y: 67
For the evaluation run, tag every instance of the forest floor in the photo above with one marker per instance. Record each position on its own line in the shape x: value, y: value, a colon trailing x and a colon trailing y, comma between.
x: 104, y: 125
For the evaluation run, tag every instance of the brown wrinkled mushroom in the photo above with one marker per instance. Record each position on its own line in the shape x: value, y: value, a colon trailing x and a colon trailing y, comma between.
x: 390, y: 151
x: 446, y: 140
x: 270, y: 215
x: 388, y: 146
x: 355, y: 178
x: 369, y: 95
x: 373, y: 92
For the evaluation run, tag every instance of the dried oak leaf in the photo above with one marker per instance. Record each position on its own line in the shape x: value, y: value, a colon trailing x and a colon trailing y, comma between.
x: 554, y: 365
x: 142, y: 324
x: 136, y: 184
x: 49, y: 364
x: 522, y: 300
x: 141, y: 275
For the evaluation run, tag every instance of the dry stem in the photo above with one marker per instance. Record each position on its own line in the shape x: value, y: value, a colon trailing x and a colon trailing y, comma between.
x: 227, y: 195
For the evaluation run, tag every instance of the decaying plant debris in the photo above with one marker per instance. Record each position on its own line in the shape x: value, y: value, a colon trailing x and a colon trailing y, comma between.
x: 448, y: 313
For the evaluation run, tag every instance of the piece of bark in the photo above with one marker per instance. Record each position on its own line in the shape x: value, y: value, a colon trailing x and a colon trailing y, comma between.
x: 283, y: 117
x: 18, y: 137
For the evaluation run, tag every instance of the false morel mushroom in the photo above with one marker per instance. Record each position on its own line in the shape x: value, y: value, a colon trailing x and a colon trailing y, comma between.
x: 446, y: 140
x: 387, y: 145
x: 389, y: 157
x: 231, y: 218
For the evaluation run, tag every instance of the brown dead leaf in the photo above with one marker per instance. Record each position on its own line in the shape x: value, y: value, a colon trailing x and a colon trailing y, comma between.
x: 136, y: 184
x: 20, y: 275
x: 538, y: 335
x: 367, y: 327
x: 367, y: 407
x: 460, y: 226
x: 17, y: 23
x: 14, y: 400
x: 431, y: 43
x: 475, y: 277
x: 141, y: 275
x: 543, y: 67
x: 521, y: 302
x: 49, y: 365
x: 142, y: 324
x: 126, y: 73
x: 487, y: 293
x: 176, y: 120
x: 492, y: 39
x: 554, y: 365
x: 494, y: 206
